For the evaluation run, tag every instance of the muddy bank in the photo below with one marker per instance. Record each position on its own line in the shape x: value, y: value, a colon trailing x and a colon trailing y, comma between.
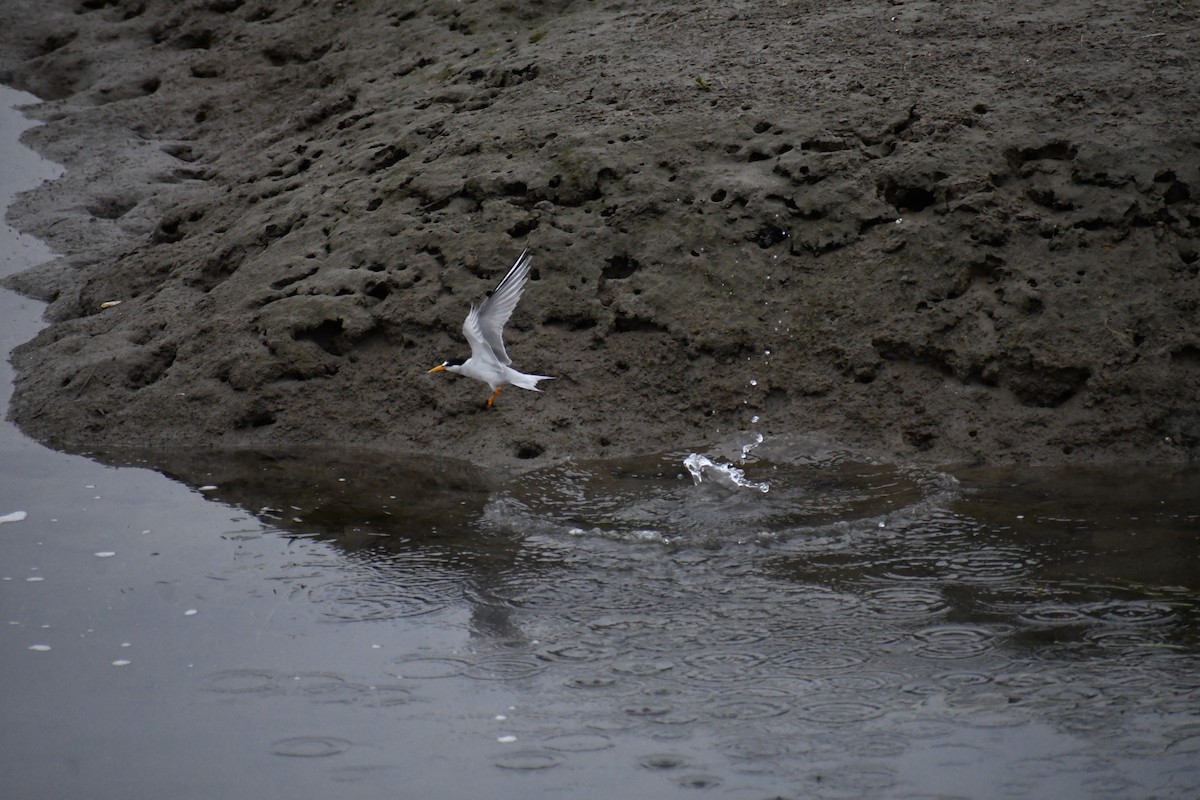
x: 946, y: 232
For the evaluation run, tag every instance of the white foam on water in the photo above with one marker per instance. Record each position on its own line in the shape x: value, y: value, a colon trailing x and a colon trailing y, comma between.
x: 15, y: 516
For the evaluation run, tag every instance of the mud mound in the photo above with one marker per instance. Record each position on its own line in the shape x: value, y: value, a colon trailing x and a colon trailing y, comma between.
x: 946, y: 232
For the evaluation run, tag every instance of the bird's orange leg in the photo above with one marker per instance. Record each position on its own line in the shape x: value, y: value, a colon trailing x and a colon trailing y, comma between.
x: 493, y: 397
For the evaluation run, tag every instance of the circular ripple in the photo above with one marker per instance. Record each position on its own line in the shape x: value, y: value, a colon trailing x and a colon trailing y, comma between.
x: 1054, y: 615
x: 906, y: 601
x: 325, y: 686
x: 642, y: 668
x: 662, y: 761
x: 699, y: 781
x: 528, y: 760
x: 430, y: 667
x: 385, y: 696
x: 310, y: 746
x: 579, y: 742
x: 504, y: 668
x: 1027, y: 681
x: 862, y: 681
x: 838, y: 712
x: 1132, y: 613
x: 362, y: 600
x: 756, y: 749
x: 986, y: 565
x: 869, y: 782
x: 957, y: 680
x: 954, y: 642
x: 822, y: 603
x: 741, y: 635
x: 722, y: 667
x: 749, y: 708
x: 1122, y: 638
x: 911, y: 569
x: 1073, y: 696
x: 647, y: 710
x: 592, y: 682
x: 577, y: 652
x: 818, y: 660
x: 241, y: 681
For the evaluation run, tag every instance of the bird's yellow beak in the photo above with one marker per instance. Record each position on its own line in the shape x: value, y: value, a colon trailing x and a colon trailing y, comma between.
x: 438, y: 368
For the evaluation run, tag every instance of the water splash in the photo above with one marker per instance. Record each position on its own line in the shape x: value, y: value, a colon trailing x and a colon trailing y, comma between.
x: 749, y: 446
x: 726, y: 474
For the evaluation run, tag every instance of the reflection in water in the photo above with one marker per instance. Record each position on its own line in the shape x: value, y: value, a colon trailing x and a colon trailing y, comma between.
x: 860, y: 630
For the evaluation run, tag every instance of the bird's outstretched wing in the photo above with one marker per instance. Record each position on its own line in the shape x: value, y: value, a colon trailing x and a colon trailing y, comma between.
x: 493, y: 313
x: 482, y: 352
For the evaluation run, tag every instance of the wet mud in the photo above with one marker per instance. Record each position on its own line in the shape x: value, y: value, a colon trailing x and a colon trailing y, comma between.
x: 945, y: 233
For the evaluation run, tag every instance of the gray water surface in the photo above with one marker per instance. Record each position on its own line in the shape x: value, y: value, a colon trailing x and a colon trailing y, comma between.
x: 316, y: 623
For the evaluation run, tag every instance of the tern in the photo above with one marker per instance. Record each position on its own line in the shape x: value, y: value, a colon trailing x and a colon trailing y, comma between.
x: 484, y: 329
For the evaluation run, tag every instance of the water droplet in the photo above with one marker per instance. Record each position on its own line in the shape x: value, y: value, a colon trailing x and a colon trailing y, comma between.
x: 105, y: 554
x: 41, y: 648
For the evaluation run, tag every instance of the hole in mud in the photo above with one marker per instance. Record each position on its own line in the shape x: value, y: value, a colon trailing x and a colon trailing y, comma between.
x: 326, y: 335
x: 56, y: 41
x: 522, y: 228
x: 620, y: 267
x: 908, y: 198
x: 196, y: 40
x: 258, y: 418
x: 573, y: 323
x: 718, y: 195
x: 529, y: 449
x: 769, y: 235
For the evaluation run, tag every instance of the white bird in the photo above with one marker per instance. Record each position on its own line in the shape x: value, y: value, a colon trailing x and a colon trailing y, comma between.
x: 484, y: 329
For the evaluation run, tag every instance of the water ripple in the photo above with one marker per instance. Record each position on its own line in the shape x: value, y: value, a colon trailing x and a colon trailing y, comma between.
x: 748, y: 708
x: 310, y: 746
x: 506, y: 667
x: 526, y: 760
x: 954, y: 641
x: 359, y: 599
x: 241, y: 681
x: 1131, y: 612
x: 578, y: 742
x: 906, y: 601
x: 722, y: 667
x: 819, y: 659
x: 838, y: 712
